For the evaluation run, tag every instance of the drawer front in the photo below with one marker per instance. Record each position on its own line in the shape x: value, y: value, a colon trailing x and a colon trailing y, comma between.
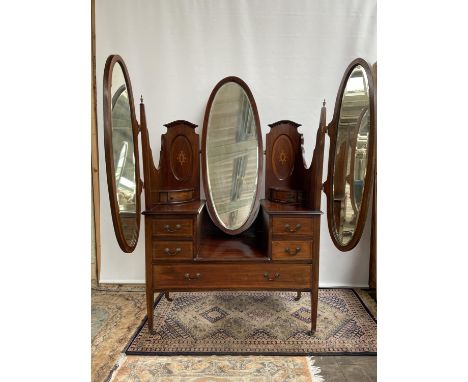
x: 173, y: 227
x: 172, y: 250
x: 291, y: 250
x: 221, y: 276
x: 292, y: 226
x: 175, y: 196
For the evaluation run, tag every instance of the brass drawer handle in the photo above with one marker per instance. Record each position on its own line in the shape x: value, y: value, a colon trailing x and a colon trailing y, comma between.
x: 187, y: 276
x: 168, y: 228
x: 267, y: 276
x: 288, y: 228
x: 172, y: 253
x: 293, y: 252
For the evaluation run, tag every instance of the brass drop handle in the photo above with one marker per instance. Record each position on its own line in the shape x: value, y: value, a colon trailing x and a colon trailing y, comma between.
x: 168, y: 228
x: 172, y: 253
x: 267, y: 276
x: 187, y: 276
x: 292, y: 253
x: 288, y: 228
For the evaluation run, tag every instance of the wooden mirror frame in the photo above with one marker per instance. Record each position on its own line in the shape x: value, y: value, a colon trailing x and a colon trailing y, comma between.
x: 369, y: 182
x: 209, y: 201
x: 114, y: 206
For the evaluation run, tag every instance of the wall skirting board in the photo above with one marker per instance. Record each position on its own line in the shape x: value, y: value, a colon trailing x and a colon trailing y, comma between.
x: 321, y: 285
x: 103, y: 281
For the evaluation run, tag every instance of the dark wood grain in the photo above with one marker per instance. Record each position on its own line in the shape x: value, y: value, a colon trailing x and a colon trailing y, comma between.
x: 172, y: 250
x: 173, y: 227
x: 285, y: 169
x: 291, y: 250
x: 231, y: 276
x: 297, y: 226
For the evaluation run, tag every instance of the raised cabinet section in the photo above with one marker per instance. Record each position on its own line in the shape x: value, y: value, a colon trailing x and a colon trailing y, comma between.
x: 174, y: 231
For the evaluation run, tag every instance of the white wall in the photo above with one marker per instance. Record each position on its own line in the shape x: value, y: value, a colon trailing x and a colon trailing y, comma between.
x: 292, y: 55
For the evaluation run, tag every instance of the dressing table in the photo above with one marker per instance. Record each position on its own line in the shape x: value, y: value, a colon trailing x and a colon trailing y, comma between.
x: 236, y: 240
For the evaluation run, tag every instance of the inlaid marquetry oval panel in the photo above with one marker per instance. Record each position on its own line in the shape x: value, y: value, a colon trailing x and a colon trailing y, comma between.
x: 282, y: 157
x: 181, y: 158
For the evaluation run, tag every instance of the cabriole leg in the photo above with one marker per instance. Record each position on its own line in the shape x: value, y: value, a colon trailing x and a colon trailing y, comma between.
x: 298, y: 297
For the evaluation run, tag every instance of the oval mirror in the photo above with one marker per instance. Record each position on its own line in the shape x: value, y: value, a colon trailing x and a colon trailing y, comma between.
x: 121, y: 149
x: 351, y: 156
x: 232, y: 156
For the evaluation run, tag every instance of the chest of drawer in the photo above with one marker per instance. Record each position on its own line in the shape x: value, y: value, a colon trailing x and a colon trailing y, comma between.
x: 220, y: 276
x: 291, y: 250
x: 292, y: 226
x: 172, y: 250
x: 173, y: 227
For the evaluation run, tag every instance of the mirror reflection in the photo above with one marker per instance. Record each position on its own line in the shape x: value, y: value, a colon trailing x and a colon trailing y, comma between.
x: 351, y: 154
x: 123, y: 156
x: 232, y: 156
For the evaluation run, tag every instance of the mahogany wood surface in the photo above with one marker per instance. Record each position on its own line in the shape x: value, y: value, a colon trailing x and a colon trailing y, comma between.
x: 176, y: 209
x: 291, y: 250
x: 287, y: 209
x: 298, y: 226
x: 172, y: 250
x: 172, y: 227
x: 179, y: 161
x: 231, y: 276
x: 284, y: 164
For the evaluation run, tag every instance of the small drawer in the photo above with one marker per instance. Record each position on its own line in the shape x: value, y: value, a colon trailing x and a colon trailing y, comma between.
x: 173, y: 227
x: 217, y: 276
x: 291, y: 250
x: 181, y: 196
x: 292, y: 226
x: 172, y: 250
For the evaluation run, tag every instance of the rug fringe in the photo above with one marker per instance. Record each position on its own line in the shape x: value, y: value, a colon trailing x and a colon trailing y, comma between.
x: 314, y: 370
x: 116, y: 368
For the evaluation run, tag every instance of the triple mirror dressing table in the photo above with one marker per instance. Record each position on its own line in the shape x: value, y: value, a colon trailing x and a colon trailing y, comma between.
x: 234, y: 240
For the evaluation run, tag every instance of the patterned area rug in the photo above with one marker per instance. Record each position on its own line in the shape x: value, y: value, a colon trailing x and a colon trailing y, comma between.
x: 257, y: 323
x: 217, y: 368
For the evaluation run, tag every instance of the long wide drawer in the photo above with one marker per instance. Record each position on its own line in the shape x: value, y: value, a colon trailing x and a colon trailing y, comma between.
x: 227, y: 276
x: 172, y: 250
x: 291, y: 250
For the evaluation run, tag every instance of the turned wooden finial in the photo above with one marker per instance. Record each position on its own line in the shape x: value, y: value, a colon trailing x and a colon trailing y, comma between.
x: 324, y: 102
x: 141, y: 98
